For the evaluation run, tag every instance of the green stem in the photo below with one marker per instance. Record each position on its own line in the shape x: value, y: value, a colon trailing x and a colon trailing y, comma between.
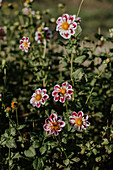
x: 80, y: 7
x: 17, y: 118
x: 44, y: 53
x: 71, y: 67
x: 72, y: 55
x: 94, y: 85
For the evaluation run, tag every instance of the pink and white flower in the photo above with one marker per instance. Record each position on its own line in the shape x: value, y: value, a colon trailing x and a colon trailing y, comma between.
x: 24, y: 44
x: 79, y: 121
x: 61, y: 93
x: 43, y: 35
x: 66, y: 25
x: 53, y: 125
x: 39, y: 97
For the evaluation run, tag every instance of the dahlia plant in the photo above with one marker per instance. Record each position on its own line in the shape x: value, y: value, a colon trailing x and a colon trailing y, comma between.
x: 43, y: 35
x: 24, y: 44
x: 66, y: 25
x: 62, y: 93
x: 53, y: 125
x: 39, y: 97
x: 79, y: 121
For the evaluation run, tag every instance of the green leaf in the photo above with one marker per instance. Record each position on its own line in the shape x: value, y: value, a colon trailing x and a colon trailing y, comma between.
x: 105, y: 141
x: 112, y: 108
x: 11, y: 143
x: 37, y: 164
x: 95, y: 151
x: 66, y: 162
x: 13, y: 131
x: 78, y: 30
x: 36, y: 144
x: 98, y: 159
x: 21, y: 127
x: 76, y: 159
x: 30, y: 152
x: 77, y: 75
x: 17, y: 156
x: 43, y: 150
x: 80, y: 59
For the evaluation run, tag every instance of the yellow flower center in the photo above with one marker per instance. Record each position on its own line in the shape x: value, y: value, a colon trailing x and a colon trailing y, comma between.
x: 27, y: 1
x: 39, y: 28
x: 19, y: 28
x: 26, y: 44
x: 65, y: 26
x: 55, y: 126
x: 78, y: 121
x: 62, y: 91
x: 38, y: 97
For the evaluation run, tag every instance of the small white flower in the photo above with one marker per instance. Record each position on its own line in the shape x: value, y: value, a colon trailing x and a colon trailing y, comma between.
x: 66, y: 25
x: 24, y: 44
x: 79, y: 121
x: 39, y: 97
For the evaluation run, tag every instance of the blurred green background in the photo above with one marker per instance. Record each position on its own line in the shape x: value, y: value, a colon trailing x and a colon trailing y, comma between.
x: 94, y: 13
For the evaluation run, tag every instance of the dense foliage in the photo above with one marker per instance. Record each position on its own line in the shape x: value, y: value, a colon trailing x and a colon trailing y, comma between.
x: 82, y: 63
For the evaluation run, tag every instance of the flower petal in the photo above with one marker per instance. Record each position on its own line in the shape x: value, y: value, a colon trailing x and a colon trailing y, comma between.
x: 62, y: 99
x: 80, y: 114
x: 53, y: 117
x: 74, y: 114
x: 57, y: 87
x: 61, y: 123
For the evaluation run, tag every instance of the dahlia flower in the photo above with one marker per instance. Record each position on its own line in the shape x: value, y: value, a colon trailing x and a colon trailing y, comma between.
x: 66, y: 25
x: 24, y: 44
x: 14, y: 105
x: 39, y: 97
x: 42, y: 35
x: 2, y: 33
x: 54, y: 124
x: 61, y: 93
x: 79, y: 121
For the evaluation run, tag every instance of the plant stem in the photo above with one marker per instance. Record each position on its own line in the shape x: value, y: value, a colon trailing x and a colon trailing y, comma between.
x: 17, y: 118
x: 44, y: 53
x: 72, y: 55
x: 94, y: 85
x: 80, y: 7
